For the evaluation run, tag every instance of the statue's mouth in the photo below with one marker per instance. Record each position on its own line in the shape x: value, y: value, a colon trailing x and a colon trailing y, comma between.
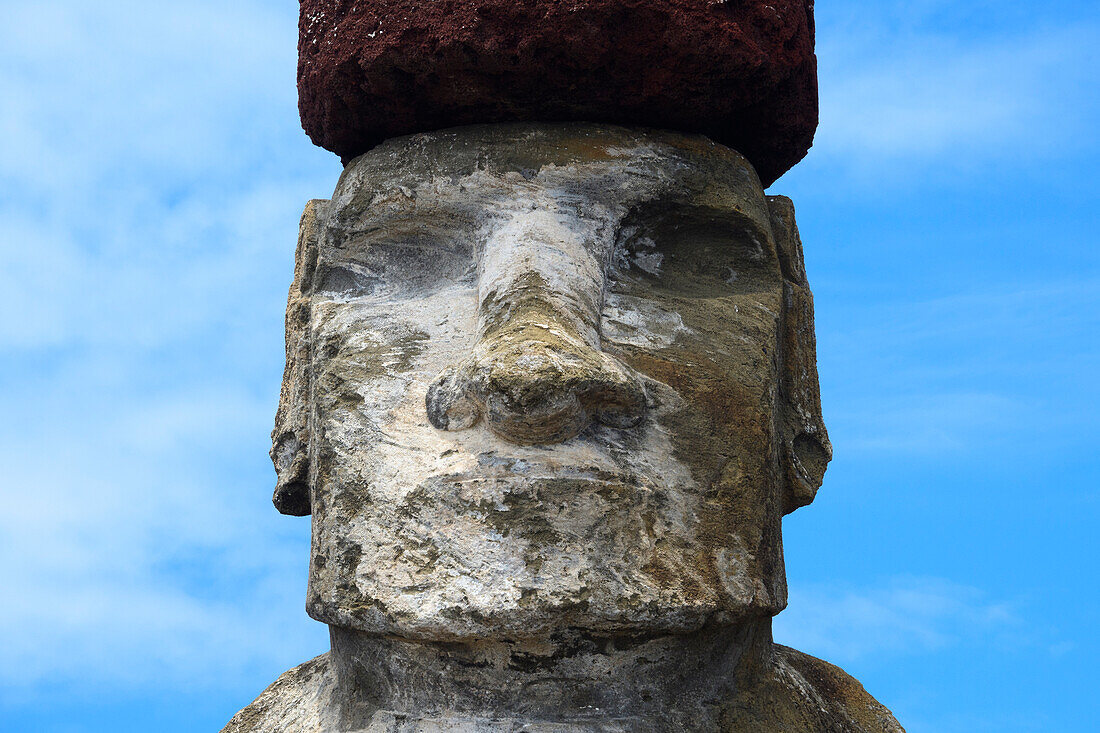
x: 540, y: 483
x: 556, y: 469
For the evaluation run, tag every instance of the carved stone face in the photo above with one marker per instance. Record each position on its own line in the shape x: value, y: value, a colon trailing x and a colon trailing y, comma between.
x: 544, y: 378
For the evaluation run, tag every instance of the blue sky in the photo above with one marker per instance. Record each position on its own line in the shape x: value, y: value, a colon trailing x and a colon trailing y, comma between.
x: 152, y: 171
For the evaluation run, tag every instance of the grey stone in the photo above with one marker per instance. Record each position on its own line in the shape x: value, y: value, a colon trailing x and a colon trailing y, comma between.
x: 788, y: 691
x: 550, y: 390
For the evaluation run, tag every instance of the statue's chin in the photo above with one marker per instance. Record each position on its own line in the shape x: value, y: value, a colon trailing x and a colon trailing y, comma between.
x: 524, y: 548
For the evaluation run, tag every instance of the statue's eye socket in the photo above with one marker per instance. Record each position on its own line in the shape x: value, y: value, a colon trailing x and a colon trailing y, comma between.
x: 698, y: 254
x: 348, y: 280
x: 406, y: 268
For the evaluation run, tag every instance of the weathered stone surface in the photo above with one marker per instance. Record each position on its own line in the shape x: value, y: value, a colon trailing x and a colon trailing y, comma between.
x: 549, y: 391
x: 520, y: 285
x: 802, y: 693
x: 743, y: 73
x: 300, y: 701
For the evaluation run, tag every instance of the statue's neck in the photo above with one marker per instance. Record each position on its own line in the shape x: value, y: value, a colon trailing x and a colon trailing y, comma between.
x: 573, y: 682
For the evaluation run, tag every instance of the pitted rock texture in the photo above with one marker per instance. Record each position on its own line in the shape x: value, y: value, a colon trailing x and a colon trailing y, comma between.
x: 795, y: 693
x: 300, y: 701
x: 550, y: 389
x: 742, y: 72
x: 543, y: 377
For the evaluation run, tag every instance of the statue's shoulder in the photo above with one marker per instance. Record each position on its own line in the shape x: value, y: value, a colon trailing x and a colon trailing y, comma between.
x: 799, y: 694
x: 297, y: 702
x: 805, y: 694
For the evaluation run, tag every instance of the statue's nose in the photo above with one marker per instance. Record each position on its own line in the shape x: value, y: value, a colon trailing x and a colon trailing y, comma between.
x: 536, y: 386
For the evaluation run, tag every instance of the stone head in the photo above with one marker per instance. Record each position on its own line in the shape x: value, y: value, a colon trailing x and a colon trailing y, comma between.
x: 544, y: 378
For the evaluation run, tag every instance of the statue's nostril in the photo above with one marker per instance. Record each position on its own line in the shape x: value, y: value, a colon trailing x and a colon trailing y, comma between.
x: 536, y: 391
x: 449, y: 404
x: 621, y: 411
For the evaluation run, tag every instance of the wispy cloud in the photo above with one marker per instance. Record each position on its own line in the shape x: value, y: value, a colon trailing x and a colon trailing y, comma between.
x: 902, y: 616
x: 140, y: 180
x: 906, y: 85
x: 925, y: 423
x: 144, y: 550
x: 958, y: 373
x: 151, y: 176
x: 914, y: 640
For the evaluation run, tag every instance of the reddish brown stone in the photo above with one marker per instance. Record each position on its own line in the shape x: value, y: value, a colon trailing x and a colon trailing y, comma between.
x: 741, y: 71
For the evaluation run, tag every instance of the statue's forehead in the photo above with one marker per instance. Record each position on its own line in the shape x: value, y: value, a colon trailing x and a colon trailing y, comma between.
x: 595, y: 171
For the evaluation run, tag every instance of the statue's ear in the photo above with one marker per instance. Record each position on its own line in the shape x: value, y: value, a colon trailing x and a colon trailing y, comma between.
x: 805, y: 450
x: 290, y: 438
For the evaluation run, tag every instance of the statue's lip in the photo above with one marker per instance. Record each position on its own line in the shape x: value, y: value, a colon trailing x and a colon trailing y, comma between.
x: 598, y: 480
x: 572, y: 463
x: 466, y: 477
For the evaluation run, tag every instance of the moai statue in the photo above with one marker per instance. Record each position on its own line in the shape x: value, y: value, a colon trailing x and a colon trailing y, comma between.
x: 550, y: 389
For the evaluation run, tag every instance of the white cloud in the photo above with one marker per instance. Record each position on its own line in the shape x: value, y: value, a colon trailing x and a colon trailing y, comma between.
x: 897, y: 86
x: 956, y: 374
x: 147, y: 230
x: 139, y: 190
x: 924, y: 423
x: 149, y: 275
x: 903, y: 616
x: 107, y: 85
x: 136, y: 556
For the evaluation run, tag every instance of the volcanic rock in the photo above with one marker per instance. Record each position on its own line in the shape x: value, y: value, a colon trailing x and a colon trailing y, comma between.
x: 797, y: 693
x: 742, y: 72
